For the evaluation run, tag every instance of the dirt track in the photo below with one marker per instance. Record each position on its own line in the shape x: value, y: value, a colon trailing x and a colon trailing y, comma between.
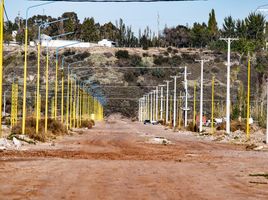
x: 114, y: 161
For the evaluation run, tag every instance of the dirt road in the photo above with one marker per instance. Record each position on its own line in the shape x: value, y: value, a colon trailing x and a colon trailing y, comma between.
x: 115, y: 161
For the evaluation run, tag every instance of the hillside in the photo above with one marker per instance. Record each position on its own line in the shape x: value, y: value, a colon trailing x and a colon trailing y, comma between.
x: 128, y: 76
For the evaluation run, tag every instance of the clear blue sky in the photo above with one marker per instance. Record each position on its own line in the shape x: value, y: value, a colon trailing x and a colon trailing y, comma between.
x: 139, y: 15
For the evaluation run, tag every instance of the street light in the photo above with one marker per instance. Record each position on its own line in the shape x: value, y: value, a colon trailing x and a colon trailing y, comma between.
x: 56, y: 76
x: 47, y: 63
x: 43, y: 25
x: 68, y: 94
x: 25, y: 65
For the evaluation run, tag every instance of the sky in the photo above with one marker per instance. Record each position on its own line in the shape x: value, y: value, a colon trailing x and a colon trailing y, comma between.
x: 139, y: 15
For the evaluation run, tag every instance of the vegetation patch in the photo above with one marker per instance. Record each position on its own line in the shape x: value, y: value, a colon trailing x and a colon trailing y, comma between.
x: 55, y: 128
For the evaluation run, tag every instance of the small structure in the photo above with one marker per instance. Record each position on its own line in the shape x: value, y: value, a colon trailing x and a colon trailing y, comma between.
x: 47, y: 41
x: 14, y: 34
x: 107, y: 43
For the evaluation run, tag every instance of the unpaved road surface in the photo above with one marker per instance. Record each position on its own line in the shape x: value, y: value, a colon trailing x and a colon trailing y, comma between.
x: 115, y: 161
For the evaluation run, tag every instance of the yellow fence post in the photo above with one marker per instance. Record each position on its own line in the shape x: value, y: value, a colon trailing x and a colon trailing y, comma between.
x: 248, y: 100
x: 212, y: 105
x: 194, y: 122
x: 1, y: 60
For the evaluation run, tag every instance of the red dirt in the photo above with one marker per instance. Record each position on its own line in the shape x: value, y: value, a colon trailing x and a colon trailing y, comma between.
x: 113, y: 161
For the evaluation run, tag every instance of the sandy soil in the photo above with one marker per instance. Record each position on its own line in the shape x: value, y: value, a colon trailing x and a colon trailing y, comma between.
x: 115, y: 161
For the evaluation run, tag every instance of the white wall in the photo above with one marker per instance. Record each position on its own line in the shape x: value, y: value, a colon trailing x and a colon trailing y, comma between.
x: 59, y: 43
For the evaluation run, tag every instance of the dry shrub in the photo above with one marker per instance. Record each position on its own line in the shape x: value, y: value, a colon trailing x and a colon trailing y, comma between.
x: 235, y: 125
x: 86, y: 124
x: 55, y: 128
x: 92, y: 121
x: 162, y: 122
x: 192, y: 127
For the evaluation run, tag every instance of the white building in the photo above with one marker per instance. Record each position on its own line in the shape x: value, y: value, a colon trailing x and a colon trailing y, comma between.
x: 107, y: 43
x: 47, y: 41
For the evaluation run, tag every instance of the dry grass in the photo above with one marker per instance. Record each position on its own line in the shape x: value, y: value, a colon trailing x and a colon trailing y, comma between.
x: 55, y: 128
x: 235, y: 125
x: 87, y: 124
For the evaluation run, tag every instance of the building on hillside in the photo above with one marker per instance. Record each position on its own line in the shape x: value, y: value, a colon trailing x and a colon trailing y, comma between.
x: 47, y: 41
x: 107, y: 43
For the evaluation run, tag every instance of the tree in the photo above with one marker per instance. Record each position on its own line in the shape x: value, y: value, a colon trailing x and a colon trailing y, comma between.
x: 71, y: 25
x: 178, y: 37
x: 89, y: 30
x: 212, y: 25
x: 229, y: 27
x: 199, y: 35
x: 241, y: 29
x: 255, y: 26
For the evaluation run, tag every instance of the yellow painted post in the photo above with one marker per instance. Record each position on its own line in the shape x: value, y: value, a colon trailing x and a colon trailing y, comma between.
x: 12, y: 120
x: 179, y: 111
x: 248, y: 100
x: 71, y: 103
x: 46, y: 106
x: 37, y: 87
x: 74, y: 106
x: 212, y: 105
x: 56, y: 91
x: 24, y: 81
x: 194, y: 116
x: 80, y: 108
x: 67, y: 103
x: 62, y: 96
x: 1, y: 60
x: 39, y: 108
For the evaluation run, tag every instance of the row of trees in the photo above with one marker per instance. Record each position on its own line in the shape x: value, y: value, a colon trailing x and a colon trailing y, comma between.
x: 250, y: 31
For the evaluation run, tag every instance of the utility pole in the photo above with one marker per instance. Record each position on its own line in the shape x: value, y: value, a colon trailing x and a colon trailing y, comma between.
x: 201, y: 94
x: 267, y: 112
x: 151, y: 110
x: 175, y: 99
x: 161, y: 101
x: 228, y: 103
x: 139, y: 110
x: 156, y: 104
x: 186, y: 96
x: 167, y: 101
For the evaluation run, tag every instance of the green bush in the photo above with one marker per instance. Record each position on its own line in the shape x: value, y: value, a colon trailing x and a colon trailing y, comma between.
x: 122, y: 54
x: 169, y: 49
x: 159, y: 73
x: 135, y: 60
x: 159, y: 60
x: 129, y: 76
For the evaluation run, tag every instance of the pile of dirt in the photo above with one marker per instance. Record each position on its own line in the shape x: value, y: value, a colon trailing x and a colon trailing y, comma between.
x: 55, y: 128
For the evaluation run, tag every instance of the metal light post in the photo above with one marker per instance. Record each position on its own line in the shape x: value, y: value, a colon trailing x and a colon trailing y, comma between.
x: 156, y: 104
x: 175, y: 99
x: 186, y: 96
x: 44, y: 25
x: 68, y: 103
x: 267, y: 112
x: 1, y: 59
x: 151, y: 105
x: 167, y: 101
x: 25, y: 66
x: 56, y: 75
x: 201, y: 95
x: 228, y: 101
x: 161, y: 101
x: 47, y: 66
